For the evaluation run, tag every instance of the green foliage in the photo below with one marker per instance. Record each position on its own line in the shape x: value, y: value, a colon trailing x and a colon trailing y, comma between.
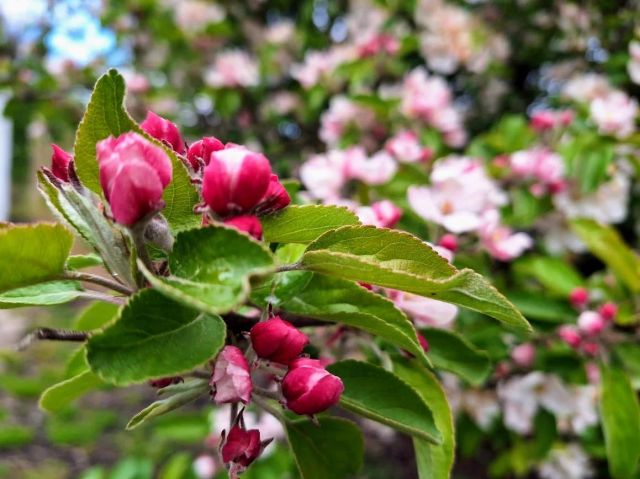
x: 303, y: 224
x: 60, y: 395
x: 154, y: 337
x: 211, y: 267
x: 398, y: 260
x: 40, y: 249
x: 621, y: 422
x: 378, y: 394
x: 41, y: 294
x: 334, y: 449
x: 556, y: 275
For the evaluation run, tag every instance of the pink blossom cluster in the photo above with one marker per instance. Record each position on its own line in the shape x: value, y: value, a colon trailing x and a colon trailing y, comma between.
x: 542, y: 166
x: 232, y: 69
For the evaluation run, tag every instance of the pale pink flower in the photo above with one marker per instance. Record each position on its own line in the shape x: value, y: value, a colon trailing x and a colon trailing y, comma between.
x: 633, y: 67
x: 406, y: 148
x: 232, y: 69
x: 524, y: 354
x: 192, y: 16
x: 343, y: 114
x: 374, y: 170
x: 500, y: 241
x: 318, y: 66
x: 383, y: 214
x: 615, y: 114
x: 591, y: 323
x: 205, y: 467
x: 425, y: 311
x: 231, y: 377
x: 543, y: 120
x: 586, y: 87
x: 324, y: 175
x: 566, y: 462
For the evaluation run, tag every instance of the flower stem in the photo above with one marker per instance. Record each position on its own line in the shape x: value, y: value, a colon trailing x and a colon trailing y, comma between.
x: 99, y: 280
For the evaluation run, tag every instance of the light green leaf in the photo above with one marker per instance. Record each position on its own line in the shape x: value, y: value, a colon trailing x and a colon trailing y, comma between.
x: 211, y: 267
x: 41, y: 294
x: 190, y: 392
x: 106, y: 116
x: 303, y: 224
x: 433, y: 461
x: 60, y: 395
x: 605, y: 243
x: 550, y: 310
x: 621, y: 422
x: 82, y: 261
x: 333, y: 299
x: 381, y: 396
x: 40, y: 250
x: 332, y: 450
x: 556, y: 275
x: 154, y: 337
x: 95, y: 316
x: 398, y: 260
x: 451, y: 352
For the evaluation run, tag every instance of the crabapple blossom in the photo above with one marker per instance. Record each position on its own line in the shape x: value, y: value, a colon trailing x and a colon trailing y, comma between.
x: 163, y: 130
x: 324, y: 175
x: 449, y: 241
x: 406, y: 148
x: 543, y: 120
x: 133, y: 173
x: 309, y: 388
x: 277, y: 340
x: 615, y: 114
x: 524, y: 354
x: 342, y: 115
x: 424, y: 311
x: 60, y: 161
x: 608, y: 311
x: 500, y: 241
x: 591, y: 323
x: 579, y: 297
x: 538, y: 164
x: 249, y: 224
x: 566, y: 462
x: 374, y: 170
x: 240, y: 448
x: 633, y: 66
x: 231, y: 377
x: 570, y: 335
x: 232, y: 69
x: 199, y: 152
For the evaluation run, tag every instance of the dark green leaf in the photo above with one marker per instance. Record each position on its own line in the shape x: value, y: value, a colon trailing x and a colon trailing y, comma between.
x: 556, y: 275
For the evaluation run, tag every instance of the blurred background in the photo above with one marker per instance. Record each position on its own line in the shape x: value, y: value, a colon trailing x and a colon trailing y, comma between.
x: 244, y: 72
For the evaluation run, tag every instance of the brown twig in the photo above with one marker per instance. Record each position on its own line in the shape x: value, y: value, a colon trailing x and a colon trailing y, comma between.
x: 49, y: 334
x: 99, y: 280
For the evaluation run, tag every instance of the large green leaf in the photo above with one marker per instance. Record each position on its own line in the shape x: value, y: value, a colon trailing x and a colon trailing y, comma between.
x: 337, y: 300
x: 211, y: 267
x: 398, y: 260
x: 95, y: 316
x: 106, y: 116
x: 41, y: 294
x: 331, y: 450
x: 605, y: 243
x: 32, y: 253
x: 380, y: 395
x: 60, y: 395
x: 433, y: 461
x: 556, y: 275
x: 154, y: 337
x: 550, y: 310
x: 303, y: 224
x: 451, y: 352
x: 621, y: 422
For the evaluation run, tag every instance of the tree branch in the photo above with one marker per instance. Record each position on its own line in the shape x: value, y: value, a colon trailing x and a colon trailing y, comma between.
x: 53, y: 335
x: 99, y: 280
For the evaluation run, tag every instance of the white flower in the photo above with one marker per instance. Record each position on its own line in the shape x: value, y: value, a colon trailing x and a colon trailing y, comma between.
x: 633, y: 67
x: 500, y: 241
x: 615, y: 114
x: 375, y: 170
x: 567, y: 462
x: 194, y: 15
x: 324, y: 175
x: 233, y: 68
x: 586, y: 87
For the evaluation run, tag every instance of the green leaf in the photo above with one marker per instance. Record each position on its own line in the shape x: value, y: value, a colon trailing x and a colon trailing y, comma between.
x: 211, y: 267
x: 555, y: 274
x: 605, y: 243
x: 32, y: 253
x: 82, y: 261
x: 303, y: 224
x: 332, y: 450
x: 154, y: 337
x: 95, y: 316
x: 398, y: 260
x: 190, y: 392
x: 106, y: 116
x: 380, y: 395
x: 621, y: 422
x: 60, y: 395
x: 550, y: 310
x: 41, y: 294
x: 451, y: 352
x: 433, y: 461
x: 333, y: 299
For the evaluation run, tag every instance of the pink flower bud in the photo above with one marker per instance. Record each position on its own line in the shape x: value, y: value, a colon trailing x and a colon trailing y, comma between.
x: 249, y: 224
x: 543, y: 120
x: 309, y: 388
x: 163, y: 130
x: 60, y: 160
x: 570, y: 335
x: 133, y: 173
x: 423, y: 342
x: 277, y: 340
x: 241, y: 447
x: 590, y: 348
x: 449, y: 242
x: 608, y: 311
x: 231, y: 377
x: 591, y: 323
x: 523, y: 355
x: 387, y: 213
x: 199, y: 153
x: 593, y: 373
x: 164, y: 382
x: 275, y: 198
x: 235, y: 180
x: 579, y: 297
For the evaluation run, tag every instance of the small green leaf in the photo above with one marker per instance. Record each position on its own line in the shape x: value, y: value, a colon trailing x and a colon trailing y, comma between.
x: 550, y: 310
x: 40, y: 250
x: 154, y: 337
x: 41, y: 294
x: 605, y: 243
x: 106, y: 116
x: 332, y: 450
x: 303, y: 224
x: 398, y: 260
x: 380, y: 395
x: 82, y: 261
x: 433, y: 461
x: 556, y: 275
x: 451, y: 352
x: 191, y: 391
x: 60, y: 395
x: 211, y: 267
x: 621, y: 422
x: 333, y: 299
x: 95, y: 316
